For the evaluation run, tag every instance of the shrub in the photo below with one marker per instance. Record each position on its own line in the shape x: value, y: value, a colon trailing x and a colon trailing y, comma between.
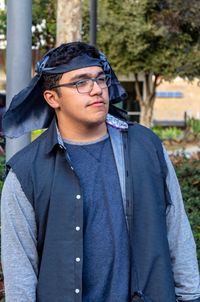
x: 194, y: 124
x: 169, y: 133
x: 188, y: 173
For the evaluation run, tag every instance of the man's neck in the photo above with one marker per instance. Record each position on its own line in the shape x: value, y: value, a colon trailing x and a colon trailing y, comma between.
x: 83, y: 134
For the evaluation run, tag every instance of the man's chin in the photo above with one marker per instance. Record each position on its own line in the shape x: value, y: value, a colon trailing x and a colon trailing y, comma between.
x: 101, y: 118
x: 97, y: 121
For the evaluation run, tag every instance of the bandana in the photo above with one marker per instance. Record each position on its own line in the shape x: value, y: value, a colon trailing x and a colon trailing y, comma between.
x: 29, y: 111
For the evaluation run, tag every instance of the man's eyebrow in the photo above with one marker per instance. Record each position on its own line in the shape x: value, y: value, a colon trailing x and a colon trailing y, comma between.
x: 86, y: 76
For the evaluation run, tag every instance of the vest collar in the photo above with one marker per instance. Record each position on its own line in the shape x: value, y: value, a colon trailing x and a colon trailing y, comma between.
x: 55, y: 140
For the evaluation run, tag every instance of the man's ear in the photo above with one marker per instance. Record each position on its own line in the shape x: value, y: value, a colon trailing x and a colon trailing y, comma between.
x: 52, y: 98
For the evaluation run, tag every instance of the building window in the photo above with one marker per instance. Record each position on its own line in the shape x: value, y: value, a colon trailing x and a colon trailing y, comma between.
x: 169, y: 94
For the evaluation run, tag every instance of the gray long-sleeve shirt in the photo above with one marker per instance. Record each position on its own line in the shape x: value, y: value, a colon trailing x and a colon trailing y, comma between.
x: 19, y: 243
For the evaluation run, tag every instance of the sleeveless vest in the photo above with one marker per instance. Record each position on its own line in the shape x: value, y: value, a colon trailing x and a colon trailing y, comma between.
x: 53, y: 189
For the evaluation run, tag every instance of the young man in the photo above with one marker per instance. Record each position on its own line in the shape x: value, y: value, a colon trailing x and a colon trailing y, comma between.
x: 91, y: 210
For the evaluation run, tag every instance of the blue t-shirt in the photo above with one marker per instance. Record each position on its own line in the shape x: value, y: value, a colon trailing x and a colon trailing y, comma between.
x: 105, y: 247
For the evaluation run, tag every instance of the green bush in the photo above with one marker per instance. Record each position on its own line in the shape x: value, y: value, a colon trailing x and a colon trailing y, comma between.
x: 169, y: 133
x: 194, y: 124
x: 188, y: 173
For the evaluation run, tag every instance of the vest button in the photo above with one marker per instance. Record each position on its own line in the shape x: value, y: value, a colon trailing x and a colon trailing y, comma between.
x: 77, y: 291
x: 78, y: 259
x: 78, y: 196
x: 78, y: 228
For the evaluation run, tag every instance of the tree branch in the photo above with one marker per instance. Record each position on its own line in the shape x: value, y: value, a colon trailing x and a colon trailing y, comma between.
x: 147, y: 83
x: 137, y: 89
x: 159, y: 80
x: 155, y: 84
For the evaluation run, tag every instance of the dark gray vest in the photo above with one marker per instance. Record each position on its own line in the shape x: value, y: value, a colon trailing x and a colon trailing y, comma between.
x: 53, y: 190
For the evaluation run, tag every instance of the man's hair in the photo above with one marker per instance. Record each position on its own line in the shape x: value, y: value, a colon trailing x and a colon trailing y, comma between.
x: 63, y: 55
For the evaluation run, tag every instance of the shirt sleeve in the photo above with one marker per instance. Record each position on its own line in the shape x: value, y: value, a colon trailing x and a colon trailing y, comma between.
x: 181, y: 242
x: 18, y: 243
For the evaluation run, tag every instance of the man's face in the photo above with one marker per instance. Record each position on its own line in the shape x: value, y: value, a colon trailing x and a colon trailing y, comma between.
x: 81, y: 109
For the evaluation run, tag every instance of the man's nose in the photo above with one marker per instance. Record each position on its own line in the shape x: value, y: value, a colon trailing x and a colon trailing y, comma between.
x: 96, y: 89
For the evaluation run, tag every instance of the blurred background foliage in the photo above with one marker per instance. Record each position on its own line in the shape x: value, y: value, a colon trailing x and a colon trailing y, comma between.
x: 159, y: 38
x: 188, y: 173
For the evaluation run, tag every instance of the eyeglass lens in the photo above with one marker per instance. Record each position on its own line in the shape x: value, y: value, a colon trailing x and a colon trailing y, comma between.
x: 86, y: 86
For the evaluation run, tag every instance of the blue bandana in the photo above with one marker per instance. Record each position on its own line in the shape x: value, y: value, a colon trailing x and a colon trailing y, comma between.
x: 29, y: 111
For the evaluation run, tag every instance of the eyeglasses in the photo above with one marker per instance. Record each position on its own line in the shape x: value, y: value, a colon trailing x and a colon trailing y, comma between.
x: 86, y: 85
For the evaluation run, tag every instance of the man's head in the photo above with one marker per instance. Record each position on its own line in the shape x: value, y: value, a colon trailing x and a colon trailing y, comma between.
x: 62, y: 55
x: 79, y: 91
x: 29, y: 110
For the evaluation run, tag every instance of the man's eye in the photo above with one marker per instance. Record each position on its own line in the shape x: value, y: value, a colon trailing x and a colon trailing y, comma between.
x: 82, y: 83
x: 101, y: 79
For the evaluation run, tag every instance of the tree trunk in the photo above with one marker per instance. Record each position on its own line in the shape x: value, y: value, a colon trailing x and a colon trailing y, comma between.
x: 146, y: 115
x: 68, y: 21
x: 146, y: 98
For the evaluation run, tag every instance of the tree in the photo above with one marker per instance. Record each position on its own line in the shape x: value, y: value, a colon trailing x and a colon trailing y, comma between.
x: 68, y: 21
x: 2, y: 22
x: 43, y: 21
x: 43, y: 27
x: 52, y: 18
x: 44, y: 24
x: 53, y: 22
x: 160, y: 38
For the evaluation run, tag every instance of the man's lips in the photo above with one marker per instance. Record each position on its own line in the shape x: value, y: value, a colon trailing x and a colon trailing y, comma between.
x: 97, y: 103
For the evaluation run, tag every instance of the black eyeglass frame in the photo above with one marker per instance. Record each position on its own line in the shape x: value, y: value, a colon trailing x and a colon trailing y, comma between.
x: 106, y: 76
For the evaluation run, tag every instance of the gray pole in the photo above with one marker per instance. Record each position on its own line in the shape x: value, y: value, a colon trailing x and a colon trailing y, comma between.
x: 93, y: 22
x: 18, y: 59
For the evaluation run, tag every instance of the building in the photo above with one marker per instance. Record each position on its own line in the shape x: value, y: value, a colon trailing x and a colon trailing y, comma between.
x: 177, y: 100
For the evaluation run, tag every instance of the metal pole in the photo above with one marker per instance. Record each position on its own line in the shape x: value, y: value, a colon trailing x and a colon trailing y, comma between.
x: 93, y: 22
x: 18, y: 59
